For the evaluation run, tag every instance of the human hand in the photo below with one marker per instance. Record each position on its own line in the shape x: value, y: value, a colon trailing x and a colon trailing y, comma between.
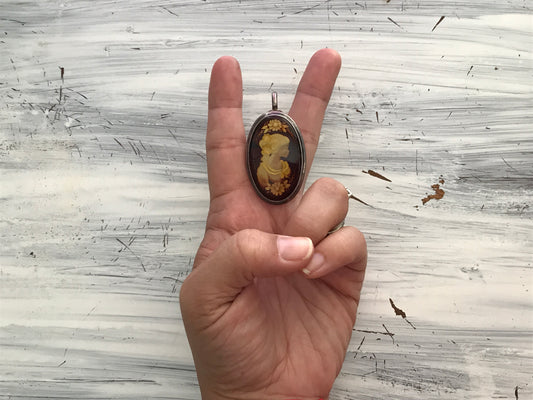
x: 270, y: 304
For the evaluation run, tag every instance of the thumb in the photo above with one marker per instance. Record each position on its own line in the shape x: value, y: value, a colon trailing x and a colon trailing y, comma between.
x: 214, y: 284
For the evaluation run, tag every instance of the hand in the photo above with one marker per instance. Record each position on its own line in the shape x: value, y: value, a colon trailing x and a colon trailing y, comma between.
x: 271, y: 302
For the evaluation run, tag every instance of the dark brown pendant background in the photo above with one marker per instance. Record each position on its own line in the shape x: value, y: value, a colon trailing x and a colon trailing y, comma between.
x: 276, y: 157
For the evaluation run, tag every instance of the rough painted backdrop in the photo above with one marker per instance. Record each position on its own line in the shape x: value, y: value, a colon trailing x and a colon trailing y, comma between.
x: 103, y: 187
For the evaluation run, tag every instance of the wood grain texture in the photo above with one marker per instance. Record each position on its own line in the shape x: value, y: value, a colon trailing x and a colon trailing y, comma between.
x: 103, y: 186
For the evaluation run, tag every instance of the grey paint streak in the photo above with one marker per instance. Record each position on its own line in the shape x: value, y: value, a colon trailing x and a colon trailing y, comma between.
x: 113, y: 155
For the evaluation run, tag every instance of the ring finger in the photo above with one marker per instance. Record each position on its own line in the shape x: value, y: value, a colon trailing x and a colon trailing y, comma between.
x: 323, y: 206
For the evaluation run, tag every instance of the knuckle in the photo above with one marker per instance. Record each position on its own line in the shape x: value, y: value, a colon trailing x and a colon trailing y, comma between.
x: 301, y: 223
x: 333, y: 188
x: 245, y: 245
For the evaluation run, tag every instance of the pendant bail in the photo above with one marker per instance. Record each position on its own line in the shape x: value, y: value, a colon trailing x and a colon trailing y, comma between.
x: 274, y: 101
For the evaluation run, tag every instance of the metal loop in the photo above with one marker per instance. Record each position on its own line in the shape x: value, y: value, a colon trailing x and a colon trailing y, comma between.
x: 274, y: 101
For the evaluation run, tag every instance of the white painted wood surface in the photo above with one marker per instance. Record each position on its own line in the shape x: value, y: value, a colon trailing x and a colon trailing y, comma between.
x: 103, y: 189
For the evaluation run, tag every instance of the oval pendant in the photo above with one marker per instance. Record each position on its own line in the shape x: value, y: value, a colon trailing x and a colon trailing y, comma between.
x: 275, y: 156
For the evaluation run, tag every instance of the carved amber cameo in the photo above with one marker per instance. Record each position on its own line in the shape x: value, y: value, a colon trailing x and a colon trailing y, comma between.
x: 275, y: 156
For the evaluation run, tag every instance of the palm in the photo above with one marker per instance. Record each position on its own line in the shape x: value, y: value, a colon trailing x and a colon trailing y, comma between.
x: 285, y: 324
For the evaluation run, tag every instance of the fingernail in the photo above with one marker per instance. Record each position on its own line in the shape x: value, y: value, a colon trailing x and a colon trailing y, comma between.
x: 294, y: 248
x: 316, y: 262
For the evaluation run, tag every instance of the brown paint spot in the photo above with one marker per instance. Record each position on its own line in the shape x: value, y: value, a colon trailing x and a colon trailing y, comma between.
x: 439, y: 193
x: 397, y: 310
x: 400, y: 312
x: 377, y: 175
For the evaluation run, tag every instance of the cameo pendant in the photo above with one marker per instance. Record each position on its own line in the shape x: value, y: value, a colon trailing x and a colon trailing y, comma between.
x: 275, y: 156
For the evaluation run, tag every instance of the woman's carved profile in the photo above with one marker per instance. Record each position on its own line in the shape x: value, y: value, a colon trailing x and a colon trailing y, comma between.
x: 273, y: 172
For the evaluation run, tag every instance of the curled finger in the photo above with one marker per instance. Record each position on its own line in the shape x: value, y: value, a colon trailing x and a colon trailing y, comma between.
x: 323, y: 206
x: 342, y: 254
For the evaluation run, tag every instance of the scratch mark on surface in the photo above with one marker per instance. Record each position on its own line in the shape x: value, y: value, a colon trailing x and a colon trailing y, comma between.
x: 132, y: 252
x: 394, y: 22
x: 389, y: 333
x: 374, y: 332
x: 120, y: 144
x: 438, y: 22
x: 509, y: 165
x: 359, y: 347
x: 13, y: 20
x: 169, y: 11
x: 201, y: 155
x: 310, y: 8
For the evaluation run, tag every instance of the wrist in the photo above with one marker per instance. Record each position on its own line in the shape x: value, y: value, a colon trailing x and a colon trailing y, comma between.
x: 233, y: 396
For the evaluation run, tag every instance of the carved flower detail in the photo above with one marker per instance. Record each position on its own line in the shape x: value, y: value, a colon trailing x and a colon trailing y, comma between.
x: 278, y: 188
x: 275, y: 125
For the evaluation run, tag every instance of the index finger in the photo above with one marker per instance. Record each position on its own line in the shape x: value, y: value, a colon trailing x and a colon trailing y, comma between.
x: 225, y: 139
